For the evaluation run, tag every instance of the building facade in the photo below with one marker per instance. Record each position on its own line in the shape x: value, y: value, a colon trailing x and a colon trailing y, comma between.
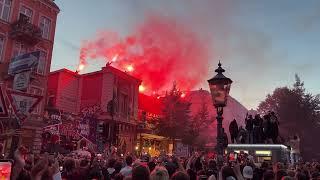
x: 110, y: 94
x: 25, y: 26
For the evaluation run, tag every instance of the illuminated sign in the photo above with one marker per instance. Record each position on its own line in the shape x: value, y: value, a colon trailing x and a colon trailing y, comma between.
x: 265, y: 153
x: 257, y: 146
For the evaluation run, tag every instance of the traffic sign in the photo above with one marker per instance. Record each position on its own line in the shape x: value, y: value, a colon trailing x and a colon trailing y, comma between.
x: 23, y: 103
x: 24, y: 62
x: 3, y: 107
x: 21, y: 81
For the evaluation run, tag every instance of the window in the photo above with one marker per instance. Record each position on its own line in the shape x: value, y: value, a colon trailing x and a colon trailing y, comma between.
x: 41, y: 68
x: 45, y: 25
x: 27, y: 12
x: 36, y: 91
x: 19, y: 49
x: 5, y: 6
x: 51, y: 101
x: 123, y: 104
x: 1, y: 48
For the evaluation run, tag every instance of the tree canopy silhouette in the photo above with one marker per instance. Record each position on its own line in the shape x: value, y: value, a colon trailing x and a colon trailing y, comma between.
x: 175, y: 116
x: 299, y: 114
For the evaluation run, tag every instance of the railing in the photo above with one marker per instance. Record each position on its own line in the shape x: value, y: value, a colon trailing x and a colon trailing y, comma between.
x: 24, y: 31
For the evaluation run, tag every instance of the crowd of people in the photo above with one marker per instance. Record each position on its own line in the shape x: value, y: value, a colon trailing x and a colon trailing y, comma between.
x: 257, y: 130
x: 111, y: 166
x: 262, y: 130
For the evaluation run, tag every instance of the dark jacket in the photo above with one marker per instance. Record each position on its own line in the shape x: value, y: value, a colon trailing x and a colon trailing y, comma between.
x: 225, y: 140
x: 233, y: 128
x: 249, y: 124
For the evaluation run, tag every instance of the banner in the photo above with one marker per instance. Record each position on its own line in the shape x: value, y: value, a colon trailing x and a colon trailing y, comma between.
x: 69, y: 130
x: 52, y: 117
x: 84, y: 128
x: 181, y: 150
x: 88, y: 128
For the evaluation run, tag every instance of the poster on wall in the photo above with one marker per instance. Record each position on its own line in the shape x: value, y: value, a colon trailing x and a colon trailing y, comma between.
x: 53, y: 130
x: 90, y: 111
x: 3, y: 107
x: 84, y: 129
x: 88, y: 123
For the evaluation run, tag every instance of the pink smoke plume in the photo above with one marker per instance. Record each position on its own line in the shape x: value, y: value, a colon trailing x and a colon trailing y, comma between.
x: 160, y: 51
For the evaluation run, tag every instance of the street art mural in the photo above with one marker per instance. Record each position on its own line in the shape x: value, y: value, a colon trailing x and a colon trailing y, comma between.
x: 70, y: 128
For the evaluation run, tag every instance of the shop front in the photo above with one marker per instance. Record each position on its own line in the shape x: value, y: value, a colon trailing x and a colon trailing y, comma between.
x: 153, y: 145
x: 125, y: 137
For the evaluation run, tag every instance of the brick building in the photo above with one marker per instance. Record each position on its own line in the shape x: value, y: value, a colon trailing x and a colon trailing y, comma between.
x: 72, y: 92
x: 26, y: 26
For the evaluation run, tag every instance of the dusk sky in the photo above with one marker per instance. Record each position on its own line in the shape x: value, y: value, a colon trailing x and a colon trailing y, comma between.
x: 262, y: 43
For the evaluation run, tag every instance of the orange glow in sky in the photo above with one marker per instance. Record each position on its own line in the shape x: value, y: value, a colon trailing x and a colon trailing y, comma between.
x: 81, y: 67
x: 114, y: 59
x: 130, y: 68
x: 141, y: 88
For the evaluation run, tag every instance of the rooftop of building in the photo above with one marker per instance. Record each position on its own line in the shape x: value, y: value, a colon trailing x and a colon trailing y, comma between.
x: 52, y: 3
x: 64, y: 70
x: 104, y: 69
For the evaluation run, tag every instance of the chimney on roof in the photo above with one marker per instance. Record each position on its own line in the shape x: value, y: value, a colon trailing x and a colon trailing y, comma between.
x: 108, y: 63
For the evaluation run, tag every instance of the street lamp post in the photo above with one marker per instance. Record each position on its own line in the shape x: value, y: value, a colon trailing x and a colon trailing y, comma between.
x: 219, y: 88
x: 15, y: 138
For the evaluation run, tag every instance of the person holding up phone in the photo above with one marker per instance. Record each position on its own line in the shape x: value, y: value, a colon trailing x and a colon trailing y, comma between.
x: 5, y: 169
x: 19, y: 162
x: 39, y: 170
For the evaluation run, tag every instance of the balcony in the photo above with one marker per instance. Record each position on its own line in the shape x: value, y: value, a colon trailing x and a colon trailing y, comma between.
x: 24, y: 31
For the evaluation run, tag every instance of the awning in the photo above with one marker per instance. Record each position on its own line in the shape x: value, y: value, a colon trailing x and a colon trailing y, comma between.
x: 152, y: 136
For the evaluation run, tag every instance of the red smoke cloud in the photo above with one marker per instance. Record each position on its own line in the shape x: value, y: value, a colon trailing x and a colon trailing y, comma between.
x: 159, y: 52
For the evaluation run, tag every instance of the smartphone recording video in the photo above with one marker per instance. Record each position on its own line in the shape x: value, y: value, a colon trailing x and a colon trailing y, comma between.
x: 5, y: 169
x: 233, y: 157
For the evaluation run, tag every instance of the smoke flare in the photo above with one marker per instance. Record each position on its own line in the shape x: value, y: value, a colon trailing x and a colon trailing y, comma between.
x: 161, y: 50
